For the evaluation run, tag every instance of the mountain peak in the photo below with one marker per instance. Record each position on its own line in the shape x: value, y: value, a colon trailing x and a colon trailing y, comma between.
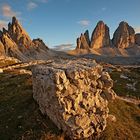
x: 100, y: 36
x: 124, y: 36
x: 14, y: 20
x: 123, y: 23
x: 18, y: 34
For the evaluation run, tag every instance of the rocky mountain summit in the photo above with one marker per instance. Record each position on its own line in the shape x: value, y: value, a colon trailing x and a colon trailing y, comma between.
x: 83, y: 42
x: 16, y: 42
x: 75, y: 97
x: 124, y: 43
x: 124, y: 36
x: 100, y: 36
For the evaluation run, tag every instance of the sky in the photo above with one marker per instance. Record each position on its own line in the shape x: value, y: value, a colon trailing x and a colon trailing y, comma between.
x: 60, y: 22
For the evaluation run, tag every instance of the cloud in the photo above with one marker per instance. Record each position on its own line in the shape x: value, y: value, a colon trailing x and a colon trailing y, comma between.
x: 8, y: 12
x: 84, y: 22
x: 104, y: 9
x: 3, y: 23
x: 31, y: 5
x: 43, y: 1
x: 137, y: 29
x: 39, y: 1
x: 64, y: 47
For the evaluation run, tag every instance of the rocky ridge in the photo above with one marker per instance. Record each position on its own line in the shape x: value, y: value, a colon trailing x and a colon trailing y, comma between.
x: 15, y: 42
x: 75, y: 97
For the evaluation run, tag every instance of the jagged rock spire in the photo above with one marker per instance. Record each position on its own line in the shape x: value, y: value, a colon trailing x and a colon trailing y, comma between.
x: 100, y: 36
x: 83, y: 42
x: 124, y: 36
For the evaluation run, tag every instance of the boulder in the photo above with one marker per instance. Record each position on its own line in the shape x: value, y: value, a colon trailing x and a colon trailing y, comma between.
x: 100, y: 36
x: 124, y: 36
x: 74, y: 94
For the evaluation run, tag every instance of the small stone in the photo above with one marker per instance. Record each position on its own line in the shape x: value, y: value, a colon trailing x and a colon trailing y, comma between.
x: 20, y: 117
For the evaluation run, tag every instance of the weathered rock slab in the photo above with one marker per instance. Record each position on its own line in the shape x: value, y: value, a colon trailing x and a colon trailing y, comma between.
x: 74, y: 94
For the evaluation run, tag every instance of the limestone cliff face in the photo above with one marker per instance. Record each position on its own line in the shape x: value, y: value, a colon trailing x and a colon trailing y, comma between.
x: 83, y: 42
x: 100, y: 36
x: 75, y: 97
x: 17, y: 43
x: 18, y: 34
x: 124, y: 36
x: 137, y: 39
x: 10, y: 48
x: 2, y: 50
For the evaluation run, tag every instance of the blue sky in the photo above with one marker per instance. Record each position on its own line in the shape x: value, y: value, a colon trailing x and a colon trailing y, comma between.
x: 62, y: 21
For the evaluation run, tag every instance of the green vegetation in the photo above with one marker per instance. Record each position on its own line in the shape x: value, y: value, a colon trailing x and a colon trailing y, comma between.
x: 21, y: 119
x: 127, y: 126
x: 120, y: 84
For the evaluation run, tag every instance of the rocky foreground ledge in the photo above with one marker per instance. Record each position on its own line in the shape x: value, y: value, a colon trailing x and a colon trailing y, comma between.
x: 74, y: 94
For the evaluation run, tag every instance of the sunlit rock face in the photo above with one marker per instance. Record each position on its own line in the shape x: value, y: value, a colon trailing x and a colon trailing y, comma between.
x: 100, y: 36
x: 74, y: 94
x: 137, y: 39
x: 17, y: 43
x: 83, y: 42
x: 2, y: 50
x: 124, y: 36
x: 18, y: 34
x: 10, y: 48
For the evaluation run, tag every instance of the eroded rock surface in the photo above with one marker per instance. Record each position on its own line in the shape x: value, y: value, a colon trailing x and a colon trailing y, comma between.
x: 74, y: 94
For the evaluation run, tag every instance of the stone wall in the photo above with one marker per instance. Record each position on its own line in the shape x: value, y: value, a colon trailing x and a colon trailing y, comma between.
x: 74, y: 94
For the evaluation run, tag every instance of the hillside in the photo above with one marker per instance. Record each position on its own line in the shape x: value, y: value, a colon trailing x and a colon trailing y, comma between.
x: 21, y: 118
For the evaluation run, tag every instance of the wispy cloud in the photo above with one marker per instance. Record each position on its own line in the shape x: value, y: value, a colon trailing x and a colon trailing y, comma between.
x: 137, y: 29
x: 84, y: 22
x: 8, y: 12
x: 104, y: 9
x: 3, y: 23
x: 31, y: 5
x: 63, y: 47
x: 39, y: 1
x: 43, y: 1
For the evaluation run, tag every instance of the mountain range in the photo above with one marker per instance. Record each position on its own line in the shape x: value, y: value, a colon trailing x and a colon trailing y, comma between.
x: 15, y: 42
